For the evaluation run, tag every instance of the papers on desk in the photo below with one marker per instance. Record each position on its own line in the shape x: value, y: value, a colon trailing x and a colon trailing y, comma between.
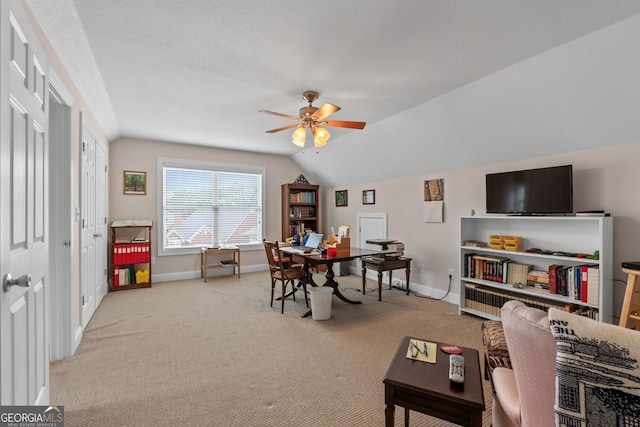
x: 423, y: 351
x: 295, y: 250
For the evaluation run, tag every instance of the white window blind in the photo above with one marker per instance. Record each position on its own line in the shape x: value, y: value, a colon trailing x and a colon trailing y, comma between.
x: 206, y: 204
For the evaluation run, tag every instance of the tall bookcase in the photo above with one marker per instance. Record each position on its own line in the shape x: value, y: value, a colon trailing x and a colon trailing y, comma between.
x: 560, y: 241
x: 300, y: 207
x: 130, y: 254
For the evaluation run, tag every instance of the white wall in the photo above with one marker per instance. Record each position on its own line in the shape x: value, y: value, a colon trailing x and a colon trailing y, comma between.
x: 604, y: 178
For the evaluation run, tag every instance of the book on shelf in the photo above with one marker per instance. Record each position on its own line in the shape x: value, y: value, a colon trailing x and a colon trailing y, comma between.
x: 553, y: 278
x: 570, y: 288
x: 593, y: 285
x: 538, y: 285
x: 518, y: 273
x: 488, y: 267
x: 584, y: 285
x: 302, y: 197
x: 538, y: 276
x: 538, y: 280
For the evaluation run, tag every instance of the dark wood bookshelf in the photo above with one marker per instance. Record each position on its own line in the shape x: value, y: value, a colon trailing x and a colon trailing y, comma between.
x: 300, y: 208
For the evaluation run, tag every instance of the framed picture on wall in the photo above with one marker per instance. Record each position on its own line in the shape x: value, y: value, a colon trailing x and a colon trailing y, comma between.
x: 341, y: 198
x: 135, y: 183
x: 369, y: 197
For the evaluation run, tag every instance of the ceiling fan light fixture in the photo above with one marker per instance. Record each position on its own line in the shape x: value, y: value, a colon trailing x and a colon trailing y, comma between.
x: 313, y: 118
x: 321, y: 137
x: 298, y: 137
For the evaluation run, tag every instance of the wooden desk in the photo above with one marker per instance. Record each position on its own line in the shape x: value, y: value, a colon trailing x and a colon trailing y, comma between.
x: 425, y: 387
x: 381, y: 265
x: 318, y: 259
x: 204, y: 265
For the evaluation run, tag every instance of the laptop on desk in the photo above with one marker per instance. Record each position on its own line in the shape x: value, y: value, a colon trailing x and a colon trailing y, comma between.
x: 313, y: 242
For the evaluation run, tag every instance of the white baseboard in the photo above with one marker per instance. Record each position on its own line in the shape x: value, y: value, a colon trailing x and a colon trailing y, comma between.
x: 413, y: 287
x: 187, y: 275
x: 76, y: 339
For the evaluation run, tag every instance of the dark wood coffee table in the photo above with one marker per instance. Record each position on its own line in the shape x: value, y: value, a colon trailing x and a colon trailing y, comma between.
x: 425, y: 387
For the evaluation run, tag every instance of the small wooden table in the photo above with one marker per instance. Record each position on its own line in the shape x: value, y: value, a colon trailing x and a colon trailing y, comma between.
x: 204, y: 265
x: 425, y: 387
x: 381, y: 265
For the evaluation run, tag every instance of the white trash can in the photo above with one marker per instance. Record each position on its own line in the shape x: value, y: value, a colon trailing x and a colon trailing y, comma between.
x: 321, y: 297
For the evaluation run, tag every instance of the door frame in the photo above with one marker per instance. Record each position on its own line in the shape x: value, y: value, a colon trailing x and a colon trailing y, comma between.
x: 361, y: 241
x: 64, y: 338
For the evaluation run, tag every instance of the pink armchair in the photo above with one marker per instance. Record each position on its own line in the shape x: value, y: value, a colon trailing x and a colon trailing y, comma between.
x: 524, y: 395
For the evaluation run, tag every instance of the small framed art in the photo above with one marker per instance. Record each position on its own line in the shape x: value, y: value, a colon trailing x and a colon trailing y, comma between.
x: 369, y: 197
x: 135, y: 183
x: 341, y: 198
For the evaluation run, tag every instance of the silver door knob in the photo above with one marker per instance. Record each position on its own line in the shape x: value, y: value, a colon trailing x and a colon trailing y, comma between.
x: 8, y: 281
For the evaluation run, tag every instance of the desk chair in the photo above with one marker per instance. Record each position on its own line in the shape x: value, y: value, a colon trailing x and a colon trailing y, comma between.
x: 279, y: 272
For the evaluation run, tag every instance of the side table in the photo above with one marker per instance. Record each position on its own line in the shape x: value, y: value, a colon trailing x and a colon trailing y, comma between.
x: 204, y: 264
x: 425, y: 387
x: 381, y: 265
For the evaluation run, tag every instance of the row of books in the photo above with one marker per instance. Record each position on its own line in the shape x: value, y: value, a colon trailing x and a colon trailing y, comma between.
x: 298, y: 229
x: 302, y: 197
x: 123, y: 276
x: 580, y: 282
x: 302, y: 211
x: 131, y: 253
x: 496, y: 269
x: 489, y: 301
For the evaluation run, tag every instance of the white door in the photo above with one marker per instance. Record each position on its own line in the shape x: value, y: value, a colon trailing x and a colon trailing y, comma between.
x: 370, y: 226
x: 89, y: 252
x: 101, y: 223
x: 93, y: 224
x: 24, y: 305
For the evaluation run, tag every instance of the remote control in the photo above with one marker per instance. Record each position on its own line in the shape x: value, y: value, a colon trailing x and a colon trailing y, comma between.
x: 456, y: 368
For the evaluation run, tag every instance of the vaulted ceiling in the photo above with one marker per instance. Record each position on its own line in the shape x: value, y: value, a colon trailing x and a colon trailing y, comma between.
x: 198, y: 71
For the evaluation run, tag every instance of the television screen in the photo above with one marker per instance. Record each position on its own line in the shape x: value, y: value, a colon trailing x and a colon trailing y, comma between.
x: 532, y: 191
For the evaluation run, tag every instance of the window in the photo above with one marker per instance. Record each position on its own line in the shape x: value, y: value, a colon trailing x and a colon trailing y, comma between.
x: 207, y: 204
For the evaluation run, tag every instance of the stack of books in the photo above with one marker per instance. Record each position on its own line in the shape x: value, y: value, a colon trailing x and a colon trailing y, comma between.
x: 538, y: 280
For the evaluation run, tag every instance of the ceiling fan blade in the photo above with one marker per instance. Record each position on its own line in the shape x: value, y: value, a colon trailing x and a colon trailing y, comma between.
x: 345, y: 124
x: 282, y: 128
x: 286, y: 116
x: 325, y: 111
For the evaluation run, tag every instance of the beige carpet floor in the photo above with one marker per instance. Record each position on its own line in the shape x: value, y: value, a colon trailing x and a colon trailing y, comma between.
x: 189, y: 353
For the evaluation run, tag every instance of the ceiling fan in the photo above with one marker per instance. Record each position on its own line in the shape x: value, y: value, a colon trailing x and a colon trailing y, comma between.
x: 313, y: 118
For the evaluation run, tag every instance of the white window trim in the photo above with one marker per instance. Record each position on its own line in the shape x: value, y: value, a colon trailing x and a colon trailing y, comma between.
x: 196, y: 164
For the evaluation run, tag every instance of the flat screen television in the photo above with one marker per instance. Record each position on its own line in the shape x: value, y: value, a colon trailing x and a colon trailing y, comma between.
x: 532, y: 191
